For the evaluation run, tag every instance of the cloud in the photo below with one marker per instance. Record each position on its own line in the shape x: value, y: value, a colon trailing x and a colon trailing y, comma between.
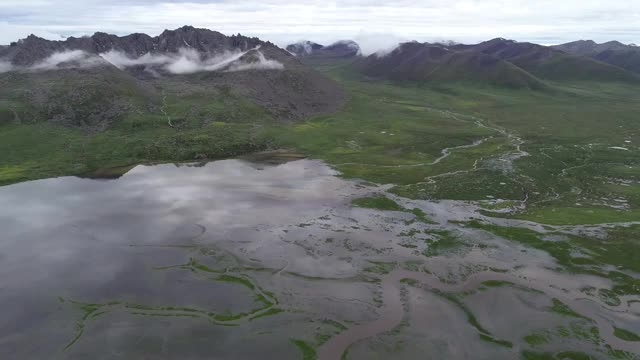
x: 262, y: 63
x: 284, y: 22
x: 121, y: 60
x: 378, y: 43
x: 69, y: 58
x: 188, y: 61
x: 5, y: 66
x: 57, y: 60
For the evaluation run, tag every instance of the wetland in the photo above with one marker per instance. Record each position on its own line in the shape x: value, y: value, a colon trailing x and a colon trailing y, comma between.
x: 244, y: 257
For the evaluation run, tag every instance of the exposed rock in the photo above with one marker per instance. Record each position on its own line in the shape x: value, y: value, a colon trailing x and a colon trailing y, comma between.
x: 74, y: 83
x: 339, y: 49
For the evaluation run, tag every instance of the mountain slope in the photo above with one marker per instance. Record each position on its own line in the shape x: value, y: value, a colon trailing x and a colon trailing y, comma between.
x: 549, y: 63
x: 339, y: 49
x: 193, y: 58
x: 89, y: 98
x: 435, y: 63
x: 589, y: 47
x: 612, y: 52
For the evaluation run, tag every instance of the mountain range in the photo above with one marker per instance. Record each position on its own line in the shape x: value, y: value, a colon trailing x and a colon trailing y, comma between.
x: 91, y: 82
x: 612, y: 52
x: 498, y: 62
x: 338, y: 49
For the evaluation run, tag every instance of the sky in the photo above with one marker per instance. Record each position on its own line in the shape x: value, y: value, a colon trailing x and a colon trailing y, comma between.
x: 375, y: 24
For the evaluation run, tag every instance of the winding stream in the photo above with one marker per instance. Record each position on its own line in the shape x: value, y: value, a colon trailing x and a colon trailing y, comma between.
x: 392, y: 312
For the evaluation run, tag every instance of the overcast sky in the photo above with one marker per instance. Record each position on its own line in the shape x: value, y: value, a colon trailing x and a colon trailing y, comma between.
x: 376, y: 23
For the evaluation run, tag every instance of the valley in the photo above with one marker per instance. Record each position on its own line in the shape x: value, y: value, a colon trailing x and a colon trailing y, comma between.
x: 321, y: 210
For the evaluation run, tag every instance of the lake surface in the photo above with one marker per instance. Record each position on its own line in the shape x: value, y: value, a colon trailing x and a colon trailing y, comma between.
x: 242, y: 260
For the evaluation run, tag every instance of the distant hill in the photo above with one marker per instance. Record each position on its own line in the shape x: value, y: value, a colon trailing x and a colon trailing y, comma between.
x: 549, y: 63
x: 498, y: 61
x: 589, y: 47
x: 436, y: 63
x: 304, y: 48
x: 339, y: 49
x: 612, y: 52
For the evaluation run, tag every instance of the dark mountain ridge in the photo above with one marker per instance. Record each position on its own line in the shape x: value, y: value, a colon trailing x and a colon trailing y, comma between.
x: 498, y: 61
x: 338, y: 49
x: 32, y: 49
x: 415, y: 61
x: 611, y: 52
x: 139, y: 68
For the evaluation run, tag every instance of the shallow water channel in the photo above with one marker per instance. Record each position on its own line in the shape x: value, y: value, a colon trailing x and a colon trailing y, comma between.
x: 242, y: 260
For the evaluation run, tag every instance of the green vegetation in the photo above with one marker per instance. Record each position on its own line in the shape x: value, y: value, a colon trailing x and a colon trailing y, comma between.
x: 393, y: 133
x: 625, y: 334
x: 564, y: 355
x: 536, y: 339
x: 272, y: 311
x: 573, y: 171
x: 438, y: 141
x: 237, y: 280
x: 379, y: 202
x: 483, y: 333
x: 491, y: 339
x: 308, y: 352
x: 620, y: 248
x: 380, y: 267
x: 335, y: 324
x: 561, y: 308
x: 207, y: 124
x: 497, y: 283
x: 443, y: 241
x: 345, y: 355
x: 576, y: 330
x: 264, y: 304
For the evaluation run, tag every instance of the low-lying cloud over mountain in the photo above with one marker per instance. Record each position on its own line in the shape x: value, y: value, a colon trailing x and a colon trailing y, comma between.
x: 102, y: 78
x: 57, y: 60
x: 185, y: 61
x: 188, y: 61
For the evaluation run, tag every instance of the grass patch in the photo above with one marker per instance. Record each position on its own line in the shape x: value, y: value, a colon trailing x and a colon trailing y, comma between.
x: 561, y: 308
x: 536, y: 339
x: 237, y: 280
x: 497, y: 283
x: 491, y: 339
x: 380, y: 267
x: 272, y: 311
x: 379, y: 202
x: 625, y: 335
x: 443, y: 242
x: 307, y: 351
x: 620, y: 248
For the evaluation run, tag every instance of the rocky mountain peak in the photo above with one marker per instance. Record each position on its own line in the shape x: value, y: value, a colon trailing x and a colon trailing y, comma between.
x: 341, y: 48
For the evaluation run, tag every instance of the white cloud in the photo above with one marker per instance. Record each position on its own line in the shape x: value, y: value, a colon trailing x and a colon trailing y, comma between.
x: 188, y: 61
x: 262, y: 64
x: 72, y: 58
x: 545, y: 21
x: 58, y: 60
x: 378, y: 43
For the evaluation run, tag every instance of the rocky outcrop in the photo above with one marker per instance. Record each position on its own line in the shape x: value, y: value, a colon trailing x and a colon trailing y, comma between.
x: 339, y: 49
x: 32, y: 49
x: 91, y: 82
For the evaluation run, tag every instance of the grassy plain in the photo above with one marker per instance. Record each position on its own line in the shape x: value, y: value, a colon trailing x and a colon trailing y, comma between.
x: 569, y: 150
